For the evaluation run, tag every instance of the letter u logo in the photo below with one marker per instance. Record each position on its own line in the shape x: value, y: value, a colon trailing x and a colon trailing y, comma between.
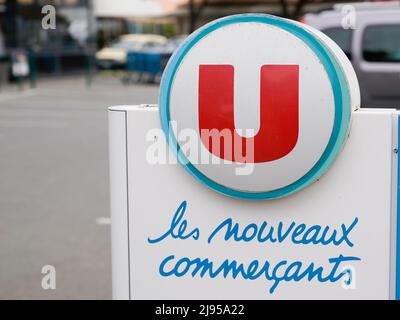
x: 279, y: 111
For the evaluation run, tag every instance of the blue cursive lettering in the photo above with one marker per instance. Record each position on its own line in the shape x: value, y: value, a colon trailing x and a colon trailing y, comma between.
x: 178, y: 227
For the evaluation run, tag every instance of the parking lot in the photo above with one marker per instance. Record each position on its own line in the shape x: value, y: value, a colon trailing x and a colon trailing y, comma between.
x: 54, y: 198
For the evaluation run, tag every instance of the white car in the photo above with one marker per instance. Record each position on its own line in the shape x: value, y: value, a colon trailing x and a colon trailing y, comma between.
x: 369, y: 34
x: 114, y: 56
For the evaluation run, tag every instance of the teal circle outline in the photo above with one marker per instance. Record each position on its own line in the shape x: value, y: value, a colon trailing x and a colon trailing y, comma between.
x: 340, y: 91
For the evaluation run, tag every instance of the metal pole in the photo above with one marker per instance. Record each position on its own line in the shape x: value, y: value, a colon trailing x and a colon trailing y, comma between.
x: 89, y: 43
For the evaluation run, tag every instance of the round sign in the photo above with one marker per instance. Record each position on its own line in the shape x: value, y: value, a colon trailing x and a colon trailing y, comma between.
x: 257, y: 107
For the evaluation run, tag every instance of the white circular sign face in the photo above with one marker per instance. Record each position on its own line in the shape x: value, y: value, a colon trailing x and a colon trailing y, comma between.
x: 257, y: 107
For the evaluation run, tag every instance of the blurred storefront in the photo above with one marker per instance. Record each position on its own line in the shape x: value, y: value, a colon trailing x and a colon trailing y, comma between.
x: 82, y: 26
x: 134, y: 16
x: 171, y: 17
x: 191, y: 14
x: 62, y: 49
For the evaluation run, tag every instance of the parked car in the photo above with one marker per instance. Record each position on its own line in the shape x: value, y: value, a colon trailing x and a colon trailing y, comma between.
x: 115, y: 56
x: 369, y: 34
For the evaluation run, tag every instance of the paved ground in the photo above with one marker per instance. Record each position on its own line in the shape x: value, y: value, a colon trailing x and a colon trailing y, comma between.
x: 54, y: 202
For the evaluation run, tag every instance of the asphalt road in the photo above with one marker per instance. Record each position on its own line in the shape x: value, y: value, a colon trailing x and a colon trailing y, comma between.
x: 54, y: 200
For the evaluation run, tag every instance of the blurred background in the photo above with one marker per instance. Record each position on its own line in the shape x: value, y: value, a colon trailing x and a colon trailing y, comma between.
x: 63, y: 62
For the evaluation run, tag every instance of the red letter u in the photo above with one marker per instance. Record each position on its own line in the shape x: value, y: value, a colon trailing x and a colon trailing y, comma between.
x: 279, y: 110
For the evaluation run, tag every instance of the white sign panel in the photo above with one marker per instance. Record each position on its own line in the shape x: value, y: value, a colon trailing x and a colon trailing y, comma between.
x: 174, y: 238
x: 211, y: 201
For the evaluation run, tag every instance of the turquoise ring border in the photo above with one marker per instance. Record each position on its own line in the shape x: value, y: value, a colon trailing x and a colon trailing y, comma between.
x: 339, y: 87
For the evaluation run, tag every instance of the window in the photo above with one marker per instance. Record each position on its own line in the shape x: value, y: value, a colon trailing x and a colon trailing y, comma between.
x: 381, y: 43
x: 342, y: 37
